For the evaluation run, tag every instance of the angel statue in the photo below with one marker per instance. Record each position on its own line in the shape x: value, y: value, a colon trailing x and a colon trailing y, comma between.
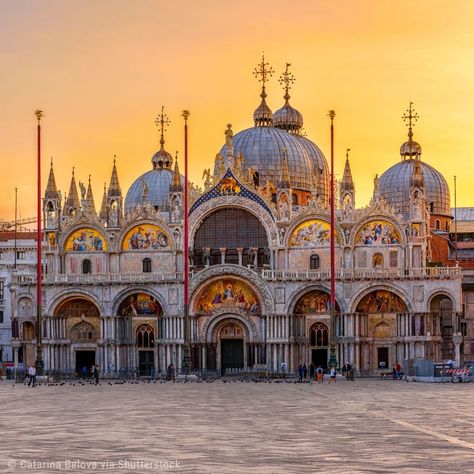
x: 145, y: 190
x: 206, y: 176
x: 83, y: 190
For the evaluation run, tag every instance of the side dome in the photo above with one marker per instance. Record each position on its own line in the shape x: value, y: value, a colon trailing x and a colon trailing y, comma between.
x: 263, y: 147
x: 395, y: 184
x: 288, y: 118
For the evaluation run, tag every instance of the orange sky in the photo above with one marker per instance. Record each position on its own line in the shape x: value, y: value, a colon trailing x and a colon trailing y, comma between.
x: 101, y: 71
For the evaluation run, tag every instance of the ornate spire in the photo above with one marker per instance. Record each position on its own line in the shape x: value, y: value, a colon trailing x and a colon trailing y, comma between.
x: 263, y: 116
x: 410, y: 148
x: 347, y: 184
x: 162, y: 159
x: 72, y: 201
x: 89, y: 205
x: 51, y: 189
x: 285, y: 173
x: 114, y: 186
x: 176, y: 185
x: 288, y: 118
x: 103, y: 207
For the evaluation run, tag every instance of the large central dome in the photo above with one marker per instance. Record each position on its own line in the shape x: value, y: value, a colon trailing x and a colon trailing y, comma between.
x: 264, y: 145
x: 263, y: 149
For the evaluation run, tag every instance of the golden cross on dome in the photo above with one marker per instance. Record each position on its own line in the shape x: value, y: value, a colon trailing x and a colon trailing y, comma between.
x: 264, y: 70
x: 286, y: 80
x: 410, y: 117
x: 162, y: 122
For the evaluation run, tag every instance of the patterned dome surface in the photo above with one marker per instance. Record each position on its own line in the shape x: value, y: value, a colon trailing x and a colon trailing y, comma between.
x: 262, y: 148
x: 158, y: 182
x: 395, y: 187
x: 288, y: 118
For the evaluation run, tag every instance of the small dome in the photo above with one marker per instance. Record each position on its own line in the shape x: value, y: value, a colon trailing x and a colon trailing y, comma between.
x: 410, y: 149
x: 263, y: 116
x: 155, y: 184
x: 288, y: 118
x: 395, y: 186
x: 162, y: 159
x: 262, y: 148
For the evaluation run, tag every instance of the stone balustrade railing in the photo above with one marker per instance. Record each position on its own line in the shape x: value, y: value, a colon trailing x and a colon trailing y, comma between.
x: 364, y: 274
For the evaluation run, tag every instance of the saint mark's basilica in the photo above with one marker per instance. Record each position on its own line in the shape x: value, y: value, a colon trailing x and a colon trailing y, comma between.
x: 259, y: 259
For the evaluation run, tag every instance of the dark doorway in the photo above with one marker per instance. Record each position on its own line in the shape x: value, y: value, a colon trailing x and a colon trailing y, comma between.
x: 232, y: 354
x: 84, y: 359
x: 382, y: 357
x: 146, y: 363
x: 319, y: 357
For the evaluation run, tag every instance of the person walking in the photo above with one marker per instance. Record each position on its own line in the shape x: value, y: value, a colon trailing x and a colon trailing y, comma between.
x: 84, y: 372
x: 305, y: 372
x: 300, y: 373
x: 95, y: 373
x: 332, y: 375
x: 311, y: 371
x: 32, y: 375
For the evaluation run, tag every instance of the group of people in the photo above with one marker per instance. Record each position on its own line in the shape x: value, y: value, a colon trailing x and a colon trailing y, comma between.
x: 397, y: 371
x: 94, y: 371
x: 315, y: 373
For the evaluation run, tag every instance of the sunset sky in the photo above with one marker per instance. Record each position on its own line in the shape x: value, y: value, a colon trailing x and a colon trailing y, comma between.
x: 101, y: 70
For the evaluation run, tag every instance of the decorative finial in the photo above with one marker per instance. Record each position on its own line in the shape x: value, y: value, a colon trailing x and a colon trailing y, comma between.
x: 410, y: 117
x: 331, y: 114
x: 185, y: 114
x: 51, y: 162
x: 39, y: 115
x: 90, y: 179
x: 73, y: 171
x: 265, y: 71
x: 162, y: 122
x: 286, y: 80
x: 115, y: 159
x: 347, y: 152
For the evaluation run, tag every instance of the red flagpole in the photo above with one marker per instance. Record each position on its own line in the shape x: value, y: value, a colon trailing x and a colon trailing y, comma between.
x: 186, y: 347
x: 39, y: 323
x: 332, y: 344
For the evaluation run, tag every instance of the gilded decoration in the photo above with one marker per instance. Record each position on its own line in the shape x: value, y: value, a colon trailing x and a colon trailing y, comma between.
x: 378, y: 233
x: 381, y: 301
x: 227, y: 293
x: 229, y: 186
x: 139, y: 304
x: 313, y: 302
x: 85, y: 240
x: 145, y: 237
x: 312, y: 233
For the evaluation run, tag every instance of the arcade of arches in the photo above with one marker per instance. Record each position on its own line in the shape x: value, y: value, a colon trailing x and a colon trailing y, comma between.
x: 244, y: 241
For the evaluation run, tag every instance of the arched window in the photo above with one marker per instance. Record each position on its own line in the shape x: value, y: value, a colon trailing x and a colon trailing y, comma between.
x: 294, y: 199
x: 86, y: 266
x: 314, y: 262
x: 437, y: 225
x: 319, y: 335
x: 447, y: 225
x: 146, y: 265
x: 431, y: 207
x: 145, y: 337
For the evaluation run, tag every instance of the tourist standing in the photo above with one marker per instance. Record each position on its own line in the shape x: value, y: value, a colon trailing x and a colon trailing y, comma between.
x: 332, y: 375
x: 84, y: 372
x: 320, y: 374
x: 311, y: 371
x: 300, y: 373
x: 305, y: 372
x: 32, y: 375
x: 95, y: 373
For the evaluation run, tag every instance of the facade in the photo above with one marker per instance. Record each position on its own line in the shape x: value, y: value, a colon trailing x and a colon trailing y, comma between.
x: 259, y: 257
x: 17, y: 260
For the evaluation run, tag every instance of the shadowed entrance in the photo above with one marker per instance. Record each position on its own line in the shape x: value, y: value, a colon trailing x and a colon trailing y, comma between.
x: 232, y: 351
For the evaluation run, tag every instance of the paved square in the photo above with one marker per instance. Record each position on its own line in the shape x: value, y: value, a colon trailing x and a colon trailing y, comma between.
x: 361, y: 426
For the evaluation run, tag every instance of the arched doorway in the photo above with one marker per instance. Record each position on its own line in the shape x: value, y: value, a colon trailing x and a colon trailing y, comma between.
x: 28, y: 335
x: 319, y: 342
x: 310, y: 326
x: 146, y: 353
x: 441, y: 308
x: 77, y: 320
x: 231, y: 235
x: 378, y: 322
x: 139, y: 318
x: 231, y: 338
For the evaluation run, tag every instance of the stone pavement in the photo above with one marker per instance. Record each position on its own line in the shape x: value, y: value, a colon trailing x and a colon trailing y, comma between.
x: 361, y: 426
